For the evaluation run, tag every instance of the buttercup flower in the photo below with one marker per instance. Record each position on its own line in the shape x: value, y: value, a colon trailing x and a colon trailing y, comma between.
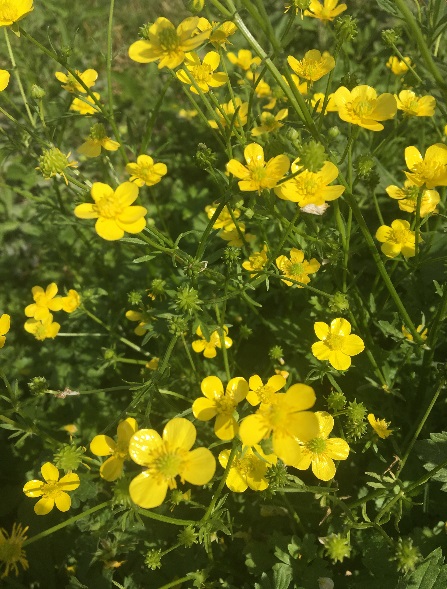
x: 421, y: 329
x: 97, y: 140
x: 321, y: 451
x: 361, y: 106
x: 145, y: 171
x: 142, y: 320
x: 113, y: 210
x: 264, y: 393
x: 248, y: 469
x: 270, y: 122
x: 44, y: 329
x: 70, y: 83
x: 222, y: 404
x: 407, y: 198
x: 258, y: 174
x: 118, y: 451
x: 244, y: 59
x: 297, y: 268
x: 397, y: 239
x: 313, y: 66
x: 415, y: 106
x: 209, y: 347
x: 337, y: 343
x: 5, y: 324
x: 13, y: 10
x: 318, y: 101
x: 256, y: 262
x: 380, y: 426
x: 11, y: 552
x: 224, y: 220
x: 53, y: 490
x: 44, y: 302
x: 431, y: 169
x: 311, y: 188
x: 202, y: 72
x: 237, y: 120
x: 397, y: 66
x: 327, y: 11
x: 285, y: 416
x: 219, y: 33
x: 167, y: 44
x: 165, y: 458
x: 4, y: 79
x: 85, y: 106
x: 71, y: 302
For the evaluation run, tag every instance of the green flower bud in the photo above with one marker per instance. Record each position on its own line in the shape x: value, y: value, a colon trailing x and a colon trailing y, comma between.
x: 246, y: 332
x: 187, y: 300
x: 406, y: 555
x: 98, y: 132
x: 391, y: 37
x: 365, y: 165
x: 205, y: 157
x: 153, y: 559
x: 69, y: 457
x: 109, y: 354
x: 37, y: 92
x: 276, y: 353
x: 177, y: 325
x: 337, y: 547
x: 345, y: 28
x: 135, y: 298
x: 277, y: 476
x: 158, y: 287
x: 187, y: 537
x: 313, y: 156
x: 336, y: 401
x: 339, y: 302
x: 53, y: 162
x: 231, y: 256
x: 195, y: 5
x: 38, y: 385
x: 333, y: 132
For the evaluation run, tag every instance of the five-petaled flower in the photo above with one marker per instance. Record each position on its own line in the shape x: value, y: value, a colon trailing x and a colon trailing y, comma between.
x: 421, y: 329
x: 71, y: 84
x: 11, y: 552
x: 258, y: 175
x: 407, y: 198
x: 141, y: 317
x: 71, y: 302
x: 167, y: 44
x: 264, y: 393
x: 145, y: 171
x: 431, y: 169
x: 256, y: 262
x: 313, y: 66
x: 220, y: 403
x: 42, y: 329
x: 44, y: 302
x: 380, y: 426
x: 235, y: 111
x: 270, y: 122
x: 285, y: 416
x: 399, y: 66
x: 113, y: 210
x: 321, y: 451
x: 244, y: 59
x: 297, y: 268
x: 12, y: 11
x: 118, y: 451
x: 248, y: 469
x: 337, y: 343
x: 165, y: 458
x: 96, y: 141
x: 415, y: 106
x: 202, y: 73
x: 219, y: 33
x: 397, y: 239
x: 53, y: 490
x: 208, y: 347
x: 5, y: 324
x: 327, y: 11
x: 361, y: 106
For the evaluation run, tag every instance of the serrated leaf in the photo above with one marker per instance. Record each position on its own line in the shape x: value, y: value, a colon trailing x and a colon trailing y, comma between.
x: 433, y: 452
x: 282, y: 576
x: 430, y: 574
x: 439, y: 289
x: 143, y: 259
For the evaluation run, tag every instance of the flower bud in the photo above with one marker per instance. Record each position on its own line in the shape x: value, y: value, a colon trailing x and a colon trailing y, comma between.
x: 337, y: 547
x: 313, y: 156
x: 37, y: 92
x: 69, y: 457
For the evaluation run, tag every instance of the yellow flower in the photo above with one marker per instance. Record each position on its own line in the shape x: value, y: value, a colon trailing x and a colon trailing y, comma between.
x: 415, y: 106
x: 113, y: 210
x: 297, y: 268
x: 142, y: 319
x: 233, y: 236
x: 209, y: 347
x: 187, y: 114
x: 220, y: 404
x: 167, y: 44
x: 264, y: 393
x: 11, y: 552
x: 248, y: 469
x: 4, y: 79
x: 270, y: 122
x: 380, y: 426
x: 42, y: 329
x: 286, y: 417
x: 321, y: 451
x: 397, y: 239
x: 430, y: 170
x: 219, y: 33
x: 202, y: 72
x: 407, y: 197
x: 311, y: 188
x: 256, y: 262
x: 97, y: 140
x: 5, y: 324
x: 237, y: 119
x: 325, y: 12
x: 361, y: 106
x: 153, y: 364
x: 70, y: 83
x: 118, y: 451
x: 398, y: 66
x: 318, y: 99
x: 244, y: 59
x: 224, y: 220
x: 337, y: 343
x: 71, y: 302
x: 313, y: 66
x: 258, y: 175
x: 85, y: 106
x: 44, y: 302
x: 165, y: 458
x: 13, y: 10
x: 53, y: 490
x: 145, y: 171
x: 421, y: 329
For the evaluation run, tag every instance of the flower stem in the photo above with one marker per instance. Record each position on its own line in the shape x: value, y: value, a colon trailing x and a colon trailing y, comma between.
x: 18, y: 79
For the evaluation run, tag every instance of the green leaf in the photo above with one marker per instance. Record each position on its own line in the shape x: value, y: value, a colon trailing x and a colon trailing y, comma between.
x: 387, y: 6
x: 433, y: 452
x: 282, y: 576
x: 431, y: 574
x: 143, y: 259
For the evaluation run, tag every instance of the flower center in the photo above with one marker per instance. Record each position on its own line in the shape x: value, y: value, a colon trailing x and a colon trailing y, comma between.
x: 399, y: 235
x: 362, y: 108
x: 167, y: 464
x: 296, y: 269
x: 202, y: 72
x: 121, y: 451
x: 265, y: 394
x: 268, y: 120
x: 108, y: 207
x: 10, y: 551
x: 334, y: 342
x: 51, y: 489
x: 225, y: 405
x: 246, y: 466
x: 316, y: 445
x: 145, y: 172
x: 257, y: 172
x: 168, y: 39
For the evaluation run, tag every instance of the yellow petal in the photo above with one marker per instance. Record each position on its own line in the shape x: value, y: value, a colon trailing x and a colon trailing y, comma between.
x: 5, y: 323
x: 112, y: 468
x: 325, y: 423
x: 4, y: 79
x: 237, y: 169
x: 237, y: 388
x: 277, y: 167
x: 198, y: 345
x: 304, y: 459
x: 85, y: 211
x: 126, y: 193
x: 276, y: 383
x: 253, y: 429
x: 108, y: 229
x: 323, y: 467
x: 303, y: 426
x: 63, y: 501
x: 321, y: 330
x: 199, y: 467
x: 321, y: 351
x: 340, y: 326
x: 339, y: 360
x: 126, y: 430
x: 212, y: 59
x: 212, y: 387
x: 142, y: 444
x: 235, y: 482
x: 135, y: 227
x: 391, y: 250
x: 337, y: 449
x: 386, y: 107
x: 33, y: 488
x: 69, y: 482
x: 49, y: 472
x: 131, y: 214
x: 286, y: 448
x: 99, y: 190
x: 299, y: 397
x: 179, y: 433
x: 204, y: 409
x: 90, y: 148
x: 352, y: 345
x: 44, y: 506
x: 147, y: 491
x: 254, y: 154
x: 102, y: 445
x: 412, y: 156
x: 142, y: 52
x: 225, y: 427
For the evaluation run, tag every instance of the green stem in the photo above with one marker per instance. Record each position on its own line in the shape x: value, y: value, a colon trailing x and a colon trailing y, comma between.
x: 176, y: 582
x: 418, y: 223
x: 153, y: 117
x: 219, y: 489
x: 66, y: 523
x: 18, y: 79
x: 166, y: 519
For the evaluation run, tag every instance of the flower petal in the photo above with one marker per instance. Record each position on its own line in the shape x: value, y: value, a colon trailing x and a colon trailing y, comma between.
x: 102, y: 445
x: 108, y: 229
x: 225, y: 426
x: 204, y: 409
x: 179, y: 433
x: 323, y: 467
x: 237, y: 169
x: 199, y: 467
x: 100, y: 190
x: 321, y: 330
x: 321, y: 351
x: 44, y: 506
x: 237, y: 388
x: 339, y: 360
x: 299, y: 397
x: 287, y: 448
x: 49, y: 472
x: 352, y: 345
x: 253, y: 429
x: 63, y: 501
x: 147, y: 491
x: 86, y: 211
x: 126, y: 193
x: 142, y: 444
x: 112, y: 468
x: 235, y: 482
x: 337, y: 449
x: 303, y: 426
x: 5, y: 324
x: 69, y: 482
x: 254, y: 154
x: 126, y: 429
x: 212, y: 387
x: 33, y: 488
x: 340, y: 326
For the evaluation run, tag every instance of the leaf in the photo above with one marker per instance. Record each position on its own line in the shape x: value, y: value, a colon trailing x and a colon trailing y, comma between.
x: 431, y: 574
x: 282, y: 576
x: 133, y: 240
x: 143, y: 259
x: 387, y: 6
x: 433, y: 452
